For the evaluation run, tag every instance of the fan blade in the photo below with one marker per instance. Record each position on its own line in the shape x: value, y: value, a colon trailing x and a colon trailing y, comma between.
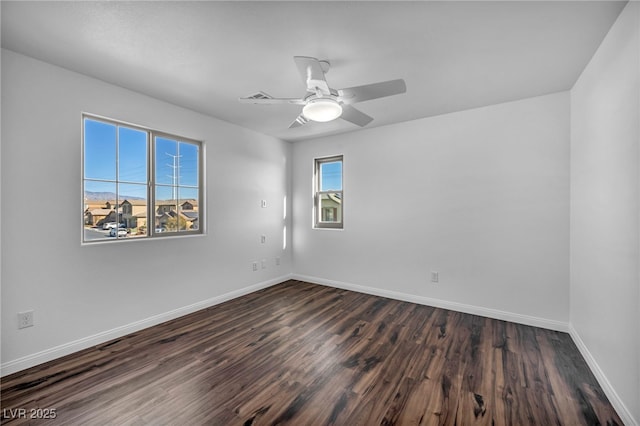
x: 300, y: 121
x: 312, y: 74
x: 355, y: 94
x: 272, y: 101
x: 355, y: 116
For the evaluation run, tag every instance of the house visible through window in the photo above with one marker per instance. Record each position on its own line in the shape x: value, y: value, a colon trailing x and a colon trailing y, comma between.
x: 328, y: 199
x: 139, y: 183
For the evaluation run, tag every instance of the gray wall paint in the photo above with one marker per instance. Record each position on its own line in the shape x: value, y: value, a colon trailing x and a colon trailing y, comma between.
x: 481, y: 196
x: 605, y: 207
x: 79, y: 291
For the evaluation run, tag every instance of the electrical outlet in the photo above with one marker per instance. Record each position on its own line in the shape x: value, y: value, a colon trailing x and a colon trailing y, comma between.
x: 263, y: 239
x: 255, y: 266
x: 277, y: 261
x: 263, y: 203
x: 25, y: 319
x: 434, y: 277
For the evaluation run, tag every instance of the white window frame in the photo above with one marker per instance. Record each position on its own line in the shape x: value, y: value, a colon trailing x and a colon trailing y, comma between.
x: 151, y: 184
x: 317, y: 194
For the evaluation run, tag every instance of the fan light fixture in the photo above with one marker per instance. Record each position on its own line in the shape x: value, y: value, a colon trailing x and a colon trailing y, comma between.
x: 322, y: 110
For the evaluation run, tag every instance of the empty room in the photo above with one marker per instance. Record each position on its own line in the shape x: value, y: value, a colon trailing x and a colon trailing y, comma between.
x: 320, y: 213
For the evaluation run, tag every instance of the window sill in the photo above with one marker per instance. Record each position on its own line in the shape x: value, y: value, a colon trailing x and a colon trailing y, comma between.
x: 113, y: 240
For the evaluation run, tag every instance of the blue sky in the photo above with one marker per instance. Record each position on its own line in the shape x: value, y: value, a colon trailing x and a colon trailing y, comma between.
x: 176, y: 162
x: 331, y: 176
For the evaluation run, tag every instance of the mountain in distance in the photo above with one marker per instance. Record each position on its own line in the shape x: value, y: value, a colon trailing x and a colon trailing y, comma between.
x: 99, y: 196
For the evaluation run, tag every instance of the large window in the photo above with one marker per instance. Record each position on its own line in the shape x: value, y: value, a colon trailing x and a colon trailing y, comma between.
x: 139, y: 183
x: 328, y: 199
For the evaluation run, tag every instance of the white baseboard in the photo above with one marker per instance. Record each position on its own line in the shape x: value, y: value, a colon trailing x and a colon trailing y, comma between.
x: 438, y: 303
x: 614, y: 399
x: 47, y: 355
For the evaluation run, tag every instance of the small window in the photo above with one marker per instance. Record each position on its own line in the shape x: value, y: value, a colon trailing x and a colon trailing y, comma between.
x: 137, y: 182
x: 328, y: 197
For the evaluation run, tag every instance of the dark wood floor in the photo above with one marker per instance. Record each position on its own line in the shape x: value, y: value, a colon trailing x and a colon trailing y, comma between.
x: 304, y: 354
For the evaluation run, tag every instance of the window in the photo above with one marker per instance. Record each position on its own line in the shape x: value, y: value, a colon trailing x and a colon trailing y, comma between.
x: 139, y: 183
x: 328, y: 197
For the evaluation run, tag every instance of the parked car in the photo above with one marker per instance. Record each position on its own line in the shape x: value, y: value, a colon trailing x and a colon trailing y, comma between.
x: 112, y: 225
x: 121, y: 232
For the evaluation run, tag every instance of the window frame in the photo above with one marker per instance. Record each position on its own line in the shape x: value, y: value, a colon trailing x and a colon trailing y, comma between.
x: 151, y: 135
x: 317, y: 193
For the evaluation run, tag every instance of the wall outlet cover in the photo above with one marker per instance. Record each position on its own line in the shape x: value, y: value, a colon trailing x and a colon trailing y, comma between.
x: 25, y: 319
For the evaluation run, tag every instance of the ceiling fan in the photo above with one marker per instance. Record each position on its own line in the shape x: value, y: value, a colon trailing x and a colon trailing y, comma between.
x: 322, y: 103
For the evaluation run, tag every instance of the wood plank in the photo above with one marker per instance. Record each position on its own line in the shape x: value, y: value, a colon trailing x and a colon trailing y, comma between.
x: 298, y: 353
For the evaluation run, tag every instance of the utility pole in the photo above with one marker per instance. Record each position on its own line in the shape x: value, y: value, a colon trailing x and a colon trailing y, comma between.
x: 176, y: 174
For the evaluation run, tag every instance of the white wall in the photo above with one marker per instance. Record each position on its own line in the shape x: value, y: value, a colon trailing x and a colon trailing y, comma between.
x: 481, y: 196
x: 605, y: 211
x: 85, y: 294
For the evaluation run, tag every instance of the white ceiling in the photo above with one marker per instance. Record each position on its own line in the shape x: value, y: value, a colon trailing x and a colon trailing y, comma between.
x: 204, y: 55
